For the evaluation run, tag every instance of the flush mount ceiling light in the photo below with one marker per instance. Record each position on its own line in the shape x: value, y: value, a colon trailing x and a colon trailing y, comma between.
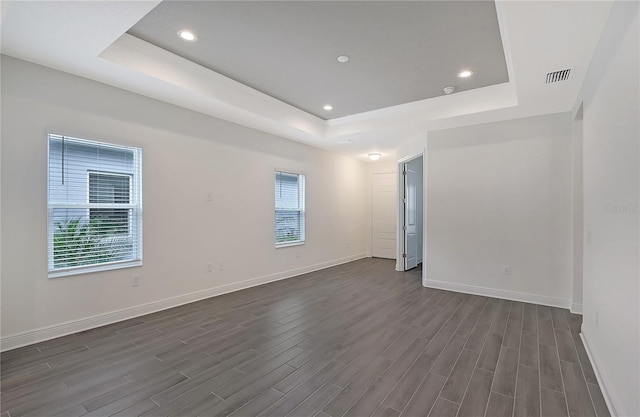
x: 328, y: 107
x: 343, y: 58
x: 375, y: 156
x: 465, y: 74
x: 187, y: 35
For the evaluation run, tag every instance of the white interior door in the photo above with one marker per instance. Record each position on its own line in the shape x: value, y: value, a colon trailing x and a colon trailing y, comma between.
x: 410, y: 219
x: 383, y: 216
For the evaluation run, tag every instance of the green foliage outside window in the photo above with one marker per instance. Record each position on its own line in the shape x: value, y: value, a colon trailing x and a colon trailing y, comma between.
x: 77, y: 242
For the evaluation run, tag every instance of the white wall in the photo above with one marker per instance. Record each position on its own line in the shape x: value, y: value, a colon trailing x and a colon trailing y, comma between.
x: 185, y: 156
x: 611, y: 132
x: 500, y: 194
x: 578, y: 225
x: 412, y: 146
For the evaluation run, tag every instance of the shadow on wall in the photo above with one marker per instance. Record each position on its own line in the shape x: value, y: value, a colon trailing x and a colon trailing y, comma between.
x: 502, y: 132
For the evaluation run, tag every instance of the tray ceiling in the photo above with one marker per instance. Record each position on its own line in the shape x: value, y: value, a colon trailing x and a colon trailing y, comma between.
x: 399, y: 52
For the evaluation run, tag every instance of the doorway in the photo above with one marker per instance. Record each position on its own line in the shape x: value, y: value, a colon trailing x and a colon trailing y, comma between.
x: 412, y: 212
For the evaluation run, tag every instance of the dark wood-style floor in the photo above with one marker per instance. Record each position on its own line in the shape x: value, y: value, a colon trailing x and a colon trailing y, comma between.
x: 354, y: 340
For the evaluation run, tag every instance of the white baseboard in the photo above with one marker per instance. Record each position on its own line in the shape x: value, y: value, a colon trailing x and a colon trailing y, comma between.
x: 62, y: 329
x: 609, y: 395
x: 576, y: 308
x: 496, y: 293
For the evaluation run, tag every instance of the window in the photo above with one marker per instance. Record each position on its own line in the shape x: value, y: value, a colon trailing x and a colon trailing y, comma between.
x: 94, y: 206
x: 289, y: 208
x: 110, y: 189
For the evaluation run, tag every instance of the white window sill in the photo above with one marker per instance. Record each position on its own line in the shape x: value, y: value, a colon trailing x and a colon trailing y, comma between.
x: 94, y: 268
x: 287, y: 244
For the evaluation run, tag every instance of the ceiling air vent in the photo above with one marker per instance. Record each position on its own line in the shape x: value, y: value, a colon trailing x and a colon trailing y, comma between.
x: 556, y: 76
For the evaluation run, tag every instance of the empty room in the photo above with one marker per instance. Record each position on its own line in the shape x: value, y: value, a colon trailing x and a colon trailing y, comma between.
x: 320, y: 208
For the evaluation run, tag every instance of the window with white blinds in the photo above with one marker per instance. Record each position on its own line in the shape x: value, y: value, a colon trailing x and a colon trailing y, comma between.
x: 94, y: 206
x: 290, y: 211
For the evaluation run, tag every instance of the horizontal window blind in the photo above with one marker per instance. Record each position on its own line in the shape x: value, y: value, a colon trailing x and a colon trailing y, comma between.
x: 94, y: 205
x: 290, y: 208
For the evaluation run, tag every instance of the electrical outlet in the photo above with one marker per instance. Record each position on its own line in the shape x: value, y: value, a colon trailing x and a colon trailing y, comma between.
x: 135, y: 281
x: 297, y: 254
x: 209, y: 196
x: 209, y: 268
x: 506, y: 269
x: 221, y: 266
x: 348, y: 244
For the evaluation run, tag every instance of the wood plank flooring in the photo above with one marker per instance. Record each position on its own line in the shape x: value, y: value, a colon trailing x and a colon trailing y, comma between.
x: 355, y: 340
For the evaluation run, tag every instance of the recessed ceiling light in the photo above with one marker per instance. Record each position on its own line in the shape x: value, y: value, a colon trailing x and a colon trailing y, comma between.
x: 328, y: 107
x: 375, y: 156
x: 465, y: 74
x: 187, y: 35
x: 343, y: 58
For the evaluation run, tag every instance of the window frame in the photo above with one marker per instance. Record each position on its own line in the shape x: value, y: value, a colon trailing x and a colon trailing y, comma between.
x: 301, y: 208
x: 135, y: 205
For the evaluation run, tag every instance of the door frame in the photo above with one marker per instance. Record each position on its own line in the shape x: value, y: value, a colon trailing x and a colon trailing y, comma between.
x: 400, y: 211
x: 412, y: 232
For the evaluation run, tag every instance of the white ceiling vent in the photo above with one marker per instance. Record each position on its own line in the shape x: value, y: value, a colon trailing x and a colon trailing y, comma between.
x: 556, y: 76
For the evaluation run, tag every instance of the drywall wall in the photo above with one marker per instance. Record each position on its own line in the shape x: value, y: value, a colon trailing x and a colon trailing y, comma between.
x: 412, y: 147
x: 578, y: 226
x: 611, y: 135
x: 499, y: 194
x: 186, y: 156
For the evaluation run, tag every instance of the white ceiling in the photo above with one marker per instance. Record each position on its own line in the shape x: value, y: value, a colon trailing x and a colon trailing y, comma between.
x: 399, y: 52
x: 89, y: 39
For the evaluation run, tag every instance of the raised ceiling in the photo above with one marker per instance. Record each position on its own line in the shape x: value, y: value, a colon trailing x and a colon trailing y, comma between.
x: 90, y: 39
x: 400, y: 52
